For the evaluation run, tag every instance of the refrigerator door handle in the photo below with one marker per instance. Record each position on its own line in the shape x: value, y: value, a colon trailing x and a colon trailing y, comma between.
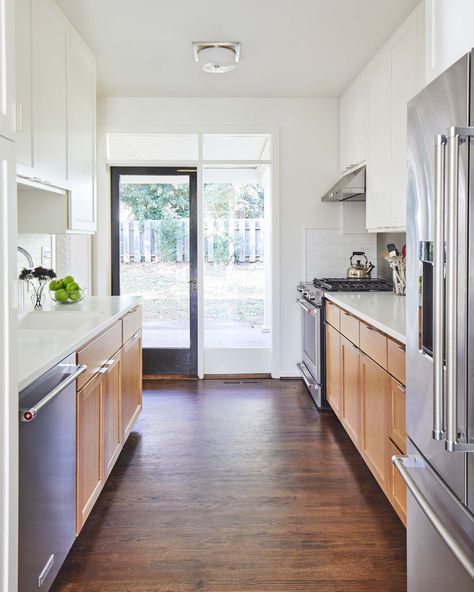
x: 438, y: 290
x: 432, y: 516
x: 455, y: 136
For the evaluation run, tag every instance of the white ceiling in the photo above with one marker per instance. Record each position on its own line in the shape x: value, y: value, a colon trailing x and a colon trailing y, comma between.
x: 290, y: 48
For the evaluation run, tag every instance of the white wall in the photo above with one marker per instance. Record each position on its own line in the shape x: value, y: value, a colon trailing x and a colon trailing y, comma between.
x: 307, y: 167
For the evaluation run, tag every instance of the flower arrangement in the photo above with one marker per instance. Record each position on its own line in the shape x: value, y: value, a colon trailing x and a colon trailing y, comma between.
x: 37, y: 279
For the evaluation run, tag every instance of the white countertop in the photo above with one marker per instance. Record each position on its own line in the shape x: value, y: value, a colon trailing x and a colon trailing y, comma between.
x: 383, y: 310
x: 37, y: 354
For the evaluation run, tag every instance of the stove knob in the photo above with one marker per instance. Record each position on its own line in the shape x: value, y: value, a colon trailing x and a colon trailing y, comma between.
x: 311, y: 297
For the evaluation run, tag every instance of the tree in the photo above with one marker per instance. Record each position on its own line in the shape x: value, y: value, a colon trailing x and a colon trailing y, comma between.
x: 156, y: 201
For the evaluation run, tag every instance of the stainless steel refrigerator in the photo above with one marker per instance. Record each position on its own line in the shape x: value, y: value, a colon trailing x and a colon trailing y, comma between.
x: 439, y: 466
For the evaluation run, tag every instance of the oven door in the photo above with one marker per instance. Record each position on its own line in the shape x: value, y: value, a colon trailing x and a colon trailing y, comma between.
x: 311, y: 337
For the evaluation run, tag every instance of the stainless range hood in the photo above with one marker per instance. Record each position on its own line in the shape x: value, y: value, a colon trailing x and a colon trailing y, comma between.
x: 351, y: 187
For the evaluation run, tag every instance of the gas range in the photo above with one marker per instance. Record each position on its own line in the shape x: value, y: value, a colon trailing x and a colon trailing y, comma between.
x: 352, y: 285
x: 313, y: 291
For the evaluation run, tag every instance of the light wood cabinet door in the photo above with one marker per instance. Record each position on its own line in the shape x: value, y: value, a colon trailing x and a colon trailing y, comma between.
x: 397, y: 415
x: 350, y: 389
x: 90, y: 471
x: 333, y: 369
x: 112, y: 405
x: 131, y: 383
x: 50, y: 34
x: 375, y: 419
x: 398, y: 489
x: 81, y: 101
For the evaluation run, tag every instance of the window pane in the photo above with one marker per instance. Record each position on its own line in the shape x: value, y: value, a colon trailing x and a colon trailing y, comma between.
x: 236, y: 147
x: 160, y: 147
x: 154, y: 255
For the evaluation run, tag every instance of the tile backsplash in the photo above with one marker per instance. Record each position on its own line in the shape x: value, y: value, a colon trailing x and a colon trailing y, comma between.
x: 328, y: 251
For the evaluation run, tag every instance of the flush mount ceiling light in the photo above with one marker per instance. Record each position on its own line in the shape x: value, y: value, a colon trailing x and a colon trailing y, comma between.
x: 216, y: 57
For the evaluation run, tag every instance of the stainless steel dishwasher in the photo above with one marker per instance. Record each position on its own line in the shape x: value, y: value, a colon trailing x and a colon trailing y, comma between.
x: 47, y: 475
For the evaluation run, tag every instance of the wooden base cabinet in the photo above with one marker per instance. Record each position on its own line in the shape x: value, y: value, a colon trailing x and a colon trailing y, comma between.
x: 350, y: 389
x: 109, y: 401
x: 112, y: 396
x: 375, y: 418
x: 131, y: 382
x: 90, y: 466
x: 333, y: 369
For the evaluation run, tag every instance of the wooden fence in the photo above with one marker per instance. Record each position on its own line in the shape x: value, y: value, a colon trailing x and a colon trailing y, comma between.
x: 150, y: 241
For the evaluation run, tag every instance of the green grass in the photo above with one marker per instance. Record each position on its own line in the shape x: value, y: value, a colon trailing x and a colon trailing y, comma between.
x: 231, y: 292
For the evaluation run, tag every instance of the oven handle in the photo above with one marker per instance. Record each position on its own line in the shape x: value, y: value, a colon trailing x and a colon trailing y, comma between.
x: 312, y: 309
x: 309, y: 385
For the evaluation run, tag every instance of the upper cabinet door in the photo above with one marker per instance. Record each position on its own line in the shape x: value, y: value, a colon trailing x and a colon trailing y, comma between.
x: 50, y: 35
x: 81, y: 92
x: 353, y: 125
x: 449, y: 33
x: 24, y: 136
x: 7, y: 78
x: 404, y: 85
x: 378, y: 194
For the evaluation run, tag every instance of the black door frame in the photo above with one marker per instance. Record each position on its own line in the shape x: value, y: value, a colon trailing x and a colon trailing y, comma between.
x: 162, y: 361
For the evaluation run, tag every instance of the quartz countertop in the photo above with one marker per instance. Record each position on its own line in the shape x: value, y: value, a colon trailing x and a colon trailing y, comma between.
x: 38, y: 351
x: 383, y: 310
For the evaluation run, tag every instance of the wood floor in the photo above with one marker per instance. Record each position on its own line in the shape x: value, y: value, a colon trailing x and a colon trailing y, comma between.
x: 238, y: 487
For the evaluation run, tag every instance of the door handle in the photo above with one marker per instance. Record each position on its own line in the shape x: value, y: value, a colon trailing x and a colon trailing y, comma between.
x: 193, y: 283
x: 438, y: 291
x: 430, y: 513
x: 27, y: 415
x: 455, y: 136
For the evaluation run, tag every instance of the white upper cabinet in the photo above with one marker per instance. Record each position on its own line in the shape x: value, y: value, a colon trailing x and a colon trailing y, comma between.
x: 394, y: 77
x: 449, y: 33
x: 24, y: 137
x: 352, y: 115
x: 56, y: 108
x: 378, y: 204
x: 81, y: 92
x: 50, y: 35
x: 7, y: 78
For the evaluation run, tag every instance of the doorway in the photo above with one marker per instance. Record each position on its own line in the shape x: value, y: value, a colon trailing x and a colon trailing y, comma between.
x: 154, y: 255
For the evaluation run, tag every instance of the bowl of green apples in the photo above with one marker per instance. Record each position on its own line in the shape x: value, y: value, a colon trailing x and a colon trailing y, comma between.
x: 66, y: 290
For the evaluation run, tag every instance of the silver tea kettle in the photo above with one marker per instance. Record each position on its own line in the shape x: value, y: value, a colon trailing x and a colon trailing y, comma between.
x: 359, y: 270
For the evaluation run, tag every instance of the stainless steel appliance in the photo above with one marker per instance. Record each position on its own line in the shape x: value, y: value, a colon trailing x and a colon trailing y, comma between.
x: 312, y: 366
x: 311, y: 300
x: 47, y: 475
x: 439, y: 468
x: 350, y: 187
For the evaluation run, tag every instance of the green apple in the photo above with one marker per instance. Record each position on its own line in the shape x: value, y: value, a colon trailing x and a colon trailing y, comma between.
x: 68, y: 279
x: 72, y: 287
x: 55, y: 285
x: 75, y: 296
x: 61, y: 295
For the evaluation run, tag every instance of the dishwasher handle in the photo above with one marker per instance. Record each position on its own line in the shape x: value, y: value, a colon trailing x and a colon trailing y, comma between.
x: 27, y: 415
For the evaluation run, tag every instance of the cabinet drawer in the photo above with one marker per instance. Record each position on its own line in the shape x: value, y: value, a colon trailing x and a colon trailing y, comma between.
x: 349, y: 327
x: 397, y: 422
x: 396, y: 360
x: 98, y: 352
x: 332, y: 314
x: 398, y: 490
x: 132, y: 322
x: 374, y: 344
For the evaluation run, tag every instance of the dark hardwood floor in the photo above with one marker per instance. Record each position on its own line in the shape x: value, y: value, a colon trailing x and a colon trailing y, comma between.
x: 238, y: 487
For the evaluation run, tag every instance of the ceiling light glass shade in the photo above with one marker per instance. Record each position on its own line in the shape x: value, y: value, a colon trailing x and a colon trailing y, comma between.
x: 217, y: 60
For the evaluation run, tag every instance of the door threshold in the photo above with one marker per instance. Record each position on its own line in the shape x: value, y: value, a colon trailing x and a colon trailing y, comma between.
x: 258, y: 376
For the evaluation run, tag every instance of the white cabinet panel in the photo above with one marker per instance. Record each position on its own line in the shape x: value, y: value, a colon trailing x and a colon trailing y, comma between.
x: 24, y: 136
x: 81, y: 134
x: 49, y: 95
x: 7, y: 78
x: 352, y: 121
x: 403, y: 88
x: 378, y: 142
x: 449, y: 32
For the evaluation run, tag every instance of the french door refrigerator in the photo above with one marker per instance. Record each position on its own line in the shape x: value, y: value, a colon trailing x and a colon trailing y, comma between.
x: 439, y: 466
